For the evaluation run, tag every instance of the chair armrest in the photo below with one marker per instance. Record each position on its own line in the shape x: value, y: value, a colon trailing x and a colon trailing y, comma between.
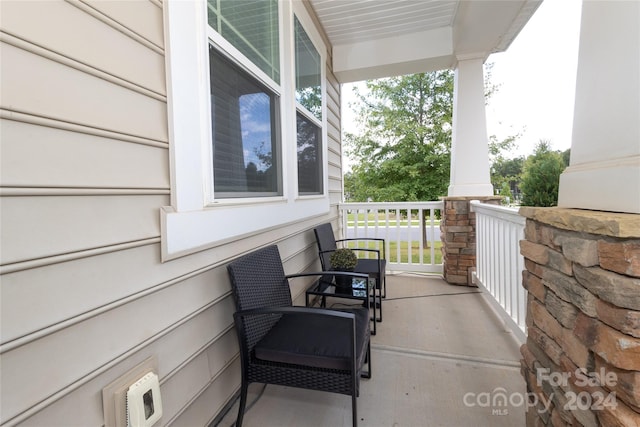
x: 355, y: 239
x: 324, y: 273
x: 368, y: 250
x: 320, y: 253
x: 377, y: 251
x: 295, y: 310
x: 360, y: 238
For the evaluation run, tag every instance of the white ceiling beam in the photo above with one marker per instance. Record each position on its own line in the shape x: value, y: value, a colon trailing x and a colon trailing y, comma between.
x: 398, y: 55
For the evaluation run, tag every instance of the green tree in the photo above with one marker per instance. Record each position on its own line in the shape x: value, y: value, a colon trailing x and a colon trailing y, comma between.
x: 505, y: 191
x: 566, y: 154
x: 541, y: 176
x: 505, y: 171
x: 404, y: 152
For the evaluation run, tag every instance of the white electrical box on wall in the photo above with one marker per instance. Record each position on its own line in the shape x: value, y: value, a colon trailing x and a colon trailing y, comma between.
x: 144, y: 405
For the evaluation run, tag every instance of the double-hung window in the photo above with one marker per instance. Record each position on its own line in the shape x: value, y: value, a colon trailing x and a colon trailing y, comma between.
x: 247, y: 120
x: 245, y: 111
x: 308, y: 113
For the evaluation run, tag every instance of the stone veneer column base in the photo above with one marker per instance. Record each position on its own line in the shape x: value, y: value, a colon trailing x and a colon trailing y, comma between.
x: 582, y: 355
x: 458, y: 236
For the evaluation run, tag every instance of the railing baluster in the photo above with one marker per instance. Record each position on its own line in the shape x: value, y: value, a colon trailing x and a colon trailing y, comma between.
x: 432, y: 236
x: 386, y: 221
x: 421, y: 236
x: 398, y: 244
x: 409, y: 239
x: 498, y: 232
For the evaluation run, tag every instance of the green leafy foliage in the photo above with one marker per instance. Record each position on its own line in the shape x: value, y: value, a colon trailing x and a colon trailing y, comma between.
x: 404, y: 152
x: 505, y: 171
x: 505, y: 192
x: 541, y: 176
x: 343, y: 259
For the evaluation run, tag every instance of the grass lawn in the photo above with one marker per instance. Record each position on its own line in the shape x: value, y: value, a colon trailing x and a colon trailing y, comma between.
x: 392, y: 256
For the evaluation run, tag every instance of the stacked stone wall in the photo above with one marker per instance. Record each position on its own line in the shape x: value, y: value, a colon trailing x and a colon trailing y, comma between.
x: 458, y: 236
x: 581, y: 361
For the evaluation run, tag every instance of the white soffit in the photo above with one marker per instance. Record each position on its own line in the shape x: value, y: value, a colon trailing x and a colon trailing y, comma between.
x: 382, y: 38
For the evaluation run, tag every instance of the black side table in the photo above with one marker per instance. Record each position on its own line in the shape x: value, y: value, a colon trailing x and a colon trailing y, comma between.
x: 358, y: 289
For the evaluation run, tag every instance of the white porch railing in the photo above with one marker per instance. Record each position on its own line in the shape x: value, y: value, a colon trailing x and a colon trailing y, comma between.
x: 499, y: 264
x: 411, y: 231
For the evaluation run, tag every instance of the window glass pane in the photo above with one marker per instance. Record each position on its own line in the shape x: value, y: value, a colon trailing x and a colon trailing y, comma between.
x: 251, y: 26
x: 245, y: 132
x: 309, y: 156
x: 308, y: 89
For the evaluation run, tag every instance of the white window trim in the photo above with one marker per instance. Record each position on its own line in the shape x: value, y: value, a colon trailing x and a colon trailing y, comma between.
x: 191, y: 223
x: 307, y: 23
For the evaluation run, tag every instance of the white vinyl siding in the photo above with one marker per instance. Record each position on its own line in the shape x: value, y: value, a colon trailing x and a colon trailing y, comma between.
x: 84, y: 174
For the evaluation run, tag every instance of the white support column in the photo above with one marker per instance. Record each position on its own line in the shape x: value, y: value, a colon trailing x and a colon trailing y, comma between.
x: 469, y: 146
x: 604, y: 172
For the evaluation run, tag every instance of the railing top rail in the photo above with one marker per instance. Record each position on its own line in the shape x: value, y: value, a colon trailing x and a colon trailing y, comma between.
x: 384, y: 205
x: 502, y: 212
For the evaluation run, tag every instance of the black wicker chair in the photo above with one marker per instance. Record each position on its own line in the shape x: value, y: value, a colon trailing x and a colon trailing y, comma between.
x: 374, y: 267
x: 302, y: 347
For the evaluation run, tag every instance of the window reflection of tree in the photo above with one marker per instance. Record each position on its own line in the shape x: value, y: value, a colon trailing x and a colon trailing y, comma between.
x: 245, y: 130
x: 263, y: 178
x: 308, y: 141
x: 311, y: 99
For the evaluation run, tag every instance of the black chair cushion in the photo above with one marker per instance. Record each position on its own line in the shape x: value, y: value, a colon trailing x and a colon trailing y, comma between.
x: 310, y: 340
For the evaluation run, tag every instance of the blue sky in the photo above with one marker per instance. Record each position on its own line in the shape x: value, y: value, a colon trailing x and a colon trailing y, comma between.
x: 255, y: 121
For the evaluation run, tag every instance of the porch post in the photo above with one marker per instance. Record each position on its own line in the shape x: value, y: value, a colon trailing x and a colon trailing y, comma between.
x: 470, y: 178
x: 469, y: 145
x: 583, y: 258
x: 604, y: 171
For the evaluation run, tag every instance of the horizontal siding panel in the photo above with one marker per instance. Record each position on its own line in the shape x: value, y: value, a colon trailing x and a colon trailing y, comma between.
x: 333, y: 91
x: 83, y: 406
x: 202, y: 410
x: 335, y: 198
x: 335, y: 140
x: 333, y: 119
x: 122, y: 274
x: 334, y: 102
x: 142, y: 17
x: 334, y: 113
x: 335, y: 150
x: 334, y: 171
x: 334, y: 158
x: 37, y: 227
x: 74, y: 352
x: 334, y: 132
x: 292, y: 247
x: 305, y: 259
x: 335, y: 185
x: 331, y: 79
x: 182, y: 388
x: 38, y: 86
x: 55, y: 26
x: 40, y: 156
x: 222, y: 352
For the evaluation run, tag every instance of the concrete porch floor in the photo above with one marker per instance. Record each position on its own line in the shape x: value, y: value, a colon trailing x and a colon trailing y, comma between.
x: 440, y: 357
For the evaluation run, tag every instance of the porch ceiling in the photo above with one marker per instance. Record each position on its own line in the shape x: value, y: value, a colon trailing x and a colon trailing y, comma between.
x: 382, y: 38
